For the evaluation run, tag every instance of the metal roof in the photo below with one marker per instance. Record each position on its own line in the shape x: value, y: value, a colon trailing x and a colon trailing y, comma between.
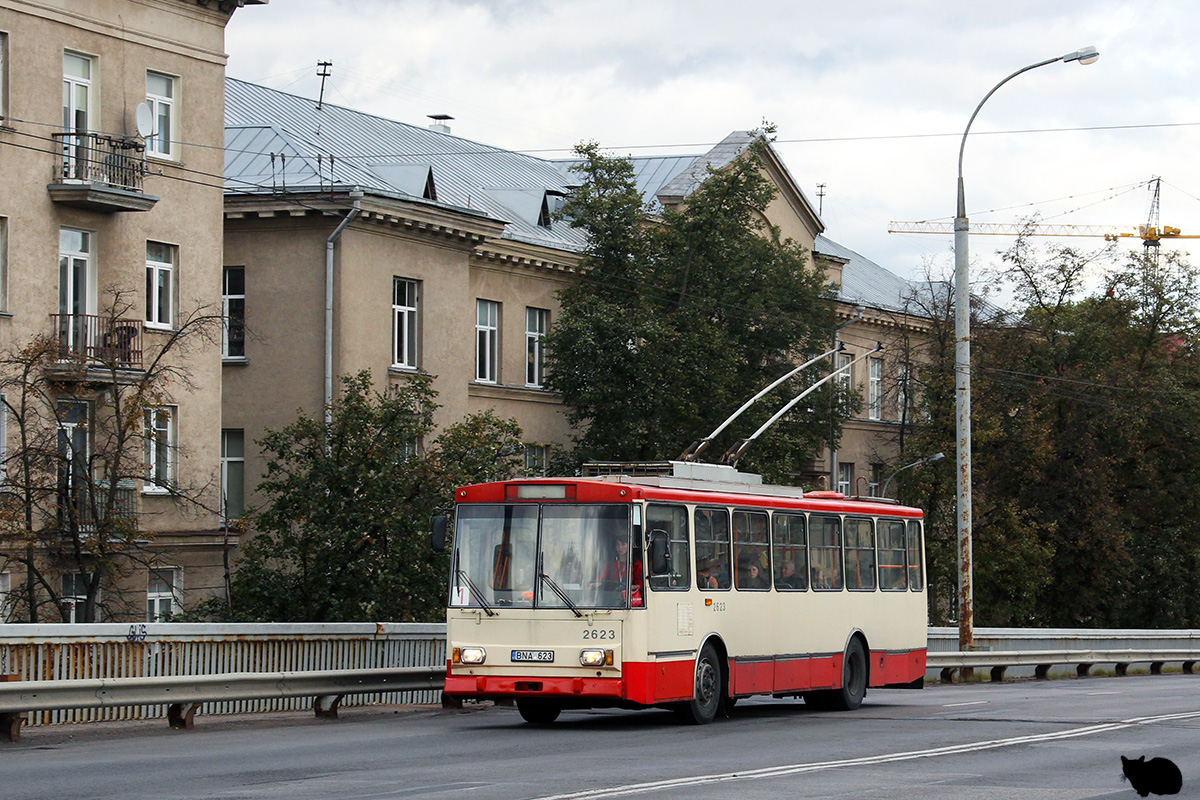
x: 866, y: 283
x: 276, y: 141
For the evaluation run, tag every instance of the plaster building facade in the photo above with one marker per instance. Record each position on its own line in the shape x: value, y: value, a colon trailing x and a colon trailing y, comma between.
x: 110, y: 181
x: 438, y: 254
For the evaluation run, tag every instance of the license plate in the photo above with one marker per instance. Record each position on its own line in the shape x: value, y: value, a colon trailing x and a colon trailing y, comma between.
x: 533, y: 655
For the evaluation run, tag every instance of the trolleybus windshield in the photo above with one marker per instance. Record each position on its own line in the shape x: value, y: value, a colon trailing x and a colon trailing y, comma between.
x: 550, y: 556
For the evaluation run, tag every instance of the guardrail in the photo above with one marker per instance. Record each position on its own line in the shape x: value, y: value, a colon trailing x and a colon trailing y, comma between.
x: 997, y: 662
x: 184, y: 694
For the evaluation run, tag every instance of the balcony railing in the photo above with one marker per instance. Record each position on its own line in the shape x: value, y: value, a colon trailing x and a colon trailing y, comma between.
x: 101, y: 173
x: 113, y: 343
x: 85, y: 504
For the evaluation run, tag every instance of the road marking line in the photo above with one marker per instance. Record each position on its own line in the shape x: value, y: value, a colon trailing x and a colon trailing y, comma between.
x: 972, y: 703
x: 820, y: 766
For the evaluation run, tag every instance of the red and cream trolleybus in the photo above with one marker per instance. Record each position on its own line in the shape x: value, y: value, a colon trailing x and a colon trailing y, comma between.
x: 685, y: 589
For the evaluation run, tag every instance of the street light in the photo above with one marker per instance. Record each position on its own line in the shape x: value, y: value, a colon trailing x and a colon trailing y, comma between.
x: 962, y: 366
x: 933, y: 459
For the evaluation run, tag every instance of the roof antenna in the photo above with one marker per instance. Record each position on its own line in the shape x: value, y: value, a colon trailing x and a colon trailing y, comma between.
x: 820, y: 199
x: 324, y: 72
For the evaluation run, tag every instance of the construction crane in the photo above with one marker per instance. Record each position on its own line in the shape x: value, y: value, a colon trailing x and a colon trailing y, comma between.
x: 1151, y: 234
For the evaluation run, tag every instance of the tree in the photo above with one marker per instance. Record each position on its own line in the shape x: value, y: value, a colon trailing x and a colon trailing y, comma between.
x: 678, y: 318
x: 344, y: 533
x: 76, y: 403
x: 1083, y: 443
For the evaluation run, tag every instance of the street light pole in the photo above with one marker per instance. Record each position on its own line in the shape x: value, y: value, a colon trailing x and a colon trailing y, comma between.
x: 962, y: 366
x: 933, y: 459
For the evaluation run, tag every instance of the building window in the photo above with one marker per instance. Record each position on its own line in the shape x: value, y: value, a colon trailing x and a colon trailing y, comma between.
x: 903, y: 385
x: 76, y: 290
x: 3, y: 74
x: 233, y: 308
x: 536, y: 458
x: 7, y: 601
x: 233, y: 474
x: 160, y: 96
x: 160, y: 292
x: 845, y: 478
x: 404, y: 323
x: 3, y: 441
x: 487, y: 341
x: 160, y: 449
x: 875, y: 389
x: 73, y: 458
x: 163, y: 595
x: 845, y: 376
x: 3, y: 258
x: 875, y: 480
x: 536, y: 321
x: 74, y: 596
x: 77, y: 110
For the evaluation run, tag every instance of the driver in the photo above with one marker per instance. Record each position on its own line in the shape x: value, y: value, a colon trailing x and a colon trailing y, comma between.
x: 618, y: 571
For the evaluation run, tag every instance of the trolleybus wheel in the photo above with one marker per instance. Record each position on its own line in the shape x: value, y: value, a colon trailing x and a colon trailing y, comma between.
x: 854, y: 683
x: 538, y: 712
x: 706, y: 694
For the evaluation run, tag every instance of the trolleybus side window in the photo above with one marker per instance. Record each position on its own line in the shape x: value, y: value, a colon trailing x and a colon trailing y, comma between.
x: 751, y: 550
x: 825, y: 551
x: 712, y: 548
x: 671, y: 522
x: 915, y: 581
x: 893, y: 573
x: 789, y: 553
x: 860, y: 554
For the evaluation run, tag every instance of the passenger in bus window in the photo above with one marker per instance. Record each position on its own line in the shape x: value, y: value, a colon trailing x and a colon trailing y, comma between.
x: 705, y: 575
x: 750, y: 575
x: 786, y: 579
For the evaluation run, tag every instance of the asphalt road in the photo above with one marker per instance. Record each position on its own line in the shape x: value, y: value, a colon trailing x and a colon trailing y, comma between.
x: 1020, y: 740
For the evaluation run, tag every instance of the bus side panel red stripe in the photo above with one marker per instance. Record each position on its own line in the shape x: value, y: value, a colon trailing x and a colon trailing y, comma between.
x: 658, y: 681
x: 751, y: 677
x: 827, y: 672
x: 792, y: 674
x: 897, y: 667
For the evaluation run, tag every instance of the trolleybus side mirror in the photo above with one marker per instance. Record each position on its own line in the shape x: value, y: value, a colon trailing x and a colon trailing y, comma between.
x: 660, y: 553
x: 437, y: 535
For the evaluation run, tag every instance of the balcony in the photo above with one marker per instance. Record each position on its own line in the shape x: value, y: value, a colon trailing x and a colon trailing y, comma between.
x: 94, y: 343
x: 100, y: 173
x: 86, y: 507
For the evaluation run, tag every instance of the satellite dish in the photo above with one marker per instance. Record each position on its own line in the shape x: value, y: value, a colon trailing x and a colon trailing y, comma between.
x: 145, y: 120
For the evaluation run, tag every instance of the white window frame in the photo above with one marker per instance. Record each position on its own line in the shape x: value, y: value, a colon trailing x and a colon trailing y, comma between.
x: 845, y: 478
x: 875, y: 389
x: 3, y: 73
x: 172, y: 595
x: 845, y: 378
x: 903, y: 380
x: 158, y: 271
x: 228, y: 300
x: 160, y: 435
x: 71, y: 85
x: 3, y: 263
x: 158, y: 146
x: 537, y: 457
x: 3, y: 441
x: 875, y: 480
x: 73, y: 598
x: 227, y: 464
x: 487, y: 341
x: 406, y: 299
x: 6, y: 598
x: 537, y: 322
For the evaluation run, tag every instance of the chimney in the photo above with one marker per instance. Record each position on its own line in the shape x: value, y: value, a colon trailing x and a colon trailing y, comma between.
x: 439, y: 122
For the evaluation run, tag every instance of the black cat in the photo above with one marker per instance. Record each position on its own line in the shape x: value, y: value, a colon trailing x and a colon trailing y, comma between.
x: 1158, y: 775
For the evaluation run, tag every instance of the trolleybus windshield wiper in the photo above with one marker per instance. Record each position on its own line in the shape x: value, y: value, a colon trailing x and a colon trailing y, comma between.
x: 475, y: 593
x: 561, y: 594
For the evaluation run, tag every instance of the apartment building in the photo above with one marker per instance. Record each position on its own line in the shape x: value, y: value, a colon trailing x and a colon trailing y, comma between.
x: 355, y: 242
x: 110, y: 187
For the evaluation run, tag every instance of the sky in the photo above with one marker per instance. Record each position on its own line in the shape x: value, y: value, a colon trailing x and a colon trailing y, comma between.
x: 868, y: 98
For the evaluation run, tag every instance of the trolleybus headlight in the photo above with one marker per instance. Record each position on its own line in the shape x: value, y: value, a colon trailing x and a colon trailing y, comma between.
x: 596, y: 658
x: 591, y: 658
x: 472, y: 655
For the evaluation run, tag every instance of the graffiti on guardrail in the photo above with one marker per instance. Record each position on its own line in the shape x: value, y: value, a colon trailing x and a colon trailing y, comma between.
x: 137, y: 633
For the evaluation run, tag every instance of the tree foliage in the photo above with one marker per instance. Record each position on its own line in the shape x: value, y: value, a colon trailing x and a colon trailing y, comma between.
x: 344, y: 533
x: 1084, y: 436
x: 681, y: 315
